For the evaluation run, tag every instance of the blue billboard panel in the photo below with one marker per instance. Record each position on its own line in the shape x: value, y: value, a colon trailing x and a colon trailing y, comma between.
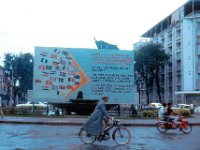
x: 60, y: 73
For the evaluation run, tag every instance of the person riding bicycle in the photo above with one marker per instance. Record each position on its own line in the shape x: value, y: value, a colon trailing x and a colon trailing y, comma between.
x: 162, y: 111
x: 96, y: 123
x: 171, y: 115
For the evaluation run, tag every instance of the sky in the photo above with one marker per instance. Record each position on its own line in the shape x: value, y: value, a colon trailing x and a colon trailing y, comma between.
x: 25, y: 24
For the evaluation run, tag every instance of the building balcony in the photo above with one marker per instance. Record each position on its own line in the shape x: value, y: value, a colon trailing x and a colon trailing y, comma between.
x: 178, y: 83
x: 178, y: 88
x: 198, y: 87
x: 169, y: 85
x: 178, y: 50
x: 178, y: 56
x: 198, y: 68
x: 169, y: 90
x: 178, y: 73
x: 169, y: 95
x: 169, y: 70
x: 178, y: 68
x: 169, y: 74
x: 169, y: 43
x: 178, y: 38
x: 198, y: 50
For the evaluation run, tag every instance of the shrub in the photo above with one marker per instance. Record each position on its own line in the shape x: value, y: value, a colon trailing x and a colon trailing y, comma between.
x: 8, y: 110
x: 26, y: 110
x: 182, y: 112
x: 150, y: 113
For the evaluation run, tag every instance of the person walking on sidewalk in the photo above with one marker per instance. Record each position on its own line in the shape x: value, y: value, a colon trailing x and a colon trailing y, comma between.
x: 1, y: 109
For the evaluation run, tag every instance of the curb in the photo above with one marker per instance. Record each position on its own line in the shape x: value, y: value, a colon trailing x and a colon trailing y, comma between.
x: 43, y: 123
x: 80, y: 124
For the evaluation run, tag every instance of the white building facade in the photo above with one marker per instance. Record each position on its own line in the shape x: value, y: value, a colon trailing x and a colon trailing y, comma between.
x: 179, y: 33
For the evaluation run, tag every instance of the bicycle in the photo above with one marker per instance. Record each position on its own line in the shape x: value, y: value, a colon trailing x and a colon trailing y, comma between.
x: 121, y: 135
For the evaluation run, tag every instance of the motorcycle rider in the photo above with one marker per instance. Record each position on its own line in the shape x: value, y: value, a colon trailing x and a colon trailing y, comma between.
x: 171, y: 115
x: 162, y: 111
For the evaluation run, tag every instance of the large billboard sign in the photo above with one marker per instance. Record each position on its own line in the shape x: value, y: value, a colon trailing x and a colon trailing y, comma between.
x: 60, y: 73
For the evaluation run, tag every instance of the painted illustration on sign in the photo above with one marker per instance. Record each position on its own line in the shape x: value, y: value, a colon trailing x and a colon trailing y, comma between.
x: 60, y: 72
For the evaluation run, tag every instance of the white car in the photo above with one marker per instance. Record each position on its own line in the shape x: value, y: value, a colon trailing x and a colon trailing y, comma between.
x: 30, y: 104
x: 155, y: 105
x: 182, y: 106
x: 197, y: 109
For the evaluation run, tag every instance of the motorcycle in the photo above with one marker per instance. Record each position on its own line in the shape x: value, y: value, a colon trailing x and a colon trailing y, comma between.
x: 121, y: 135
x: 184, y: 125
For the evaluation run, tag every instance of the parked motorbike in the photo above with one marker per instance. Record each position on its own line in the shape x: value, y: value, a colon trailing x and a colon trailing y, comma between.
x: 183, y: 125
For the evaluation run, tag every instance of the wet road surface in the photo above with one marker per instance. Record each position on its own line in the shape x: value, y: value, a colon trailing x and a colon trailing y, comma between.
x: 46, y: 137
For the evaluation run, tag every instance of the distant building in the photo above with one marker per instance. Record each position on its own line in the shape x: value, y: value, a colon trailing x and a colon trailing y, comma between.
x: 141, y: 43
x: 179, y: 33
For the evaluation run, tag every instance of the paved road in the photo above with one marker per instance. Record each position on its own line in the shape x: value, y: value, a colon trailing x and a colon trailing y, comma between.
x: 46, y: 137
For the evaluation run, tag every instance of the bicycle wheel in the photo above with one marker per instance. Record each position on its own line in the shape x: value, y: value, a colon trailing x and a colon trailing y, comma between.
x: 161, y: 127
x: 121, y: 136
x: 86, y: 138
x: 186, y: 127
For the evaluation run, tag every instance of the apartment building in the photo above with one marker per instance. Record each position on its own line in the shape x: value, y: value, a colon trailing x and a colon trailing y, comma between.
x: 179, y: 33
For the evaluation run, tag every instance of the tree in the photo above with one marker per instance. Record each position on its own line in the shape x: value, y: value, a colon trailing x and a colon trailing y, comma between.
x: 159, y: 59
x: 19, y: 68
x: 142, y: 69
x: 138, y: 83
x: 150, y: 58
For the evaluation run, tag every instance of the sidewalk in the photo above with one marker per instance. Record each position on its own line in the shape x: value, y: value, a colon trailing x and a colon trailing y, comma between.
x: 74, y: 121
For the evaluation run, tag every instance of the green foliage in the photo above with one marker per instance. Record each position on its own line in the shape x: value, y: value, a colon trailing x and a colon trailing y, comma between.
x: 150, y: 113
x: 182, y: 112
x: 24, y: 110
x: 19, y: 67
x: 149, y: 59
x: 154, y: 113
x: 8, y: 110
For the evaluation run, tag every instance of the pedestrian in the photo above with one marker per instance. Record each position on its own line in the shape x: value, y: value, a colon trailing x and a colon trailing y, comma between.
x: 1, y: 109
x: 96, y: 123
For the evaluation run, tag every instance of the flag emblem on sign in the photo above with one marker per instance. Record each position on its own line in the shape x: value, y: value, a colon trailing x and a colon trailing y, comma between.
x: 61, y: 71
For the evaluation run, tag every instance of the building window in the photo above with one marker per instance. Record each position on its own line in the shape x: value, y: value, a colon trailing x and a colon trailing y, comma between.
x: 178, y: 88
x: 178, y: 33
x: 198, y: 26
x: 198, y: 39
x: 178, y: 46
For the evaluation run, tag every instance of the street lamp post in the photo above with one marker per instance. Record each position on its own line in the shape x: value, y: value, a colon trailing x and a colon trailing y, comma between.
x: 17, y: 94
x: 11, y: 87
